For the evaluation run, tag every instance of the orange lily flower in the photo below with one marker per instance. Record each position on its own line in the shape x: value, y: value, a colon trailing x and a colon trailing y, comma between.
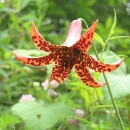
x: 72, y: 53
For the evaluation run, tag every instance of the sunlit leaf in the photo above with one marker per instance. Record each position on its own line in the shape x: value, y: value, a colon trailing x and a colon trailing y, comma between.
x: 39, y: 116
x: 3, y: 35
x: 24, y: 3
x: 114, y: 23
x: 119, y: 86
x: 87, y: 93
x: 7, y: 120
x: 99, y: 39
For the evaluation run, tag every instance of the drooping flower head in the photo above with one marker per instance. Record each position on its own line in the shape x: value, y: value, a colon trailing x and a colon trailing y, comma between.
x: 72, y: 53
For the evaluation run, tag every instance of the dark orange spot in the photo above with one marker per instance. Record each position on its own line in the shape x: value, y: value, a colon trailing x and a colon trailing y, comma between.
x: 34, y: 37
x: 108, y: 69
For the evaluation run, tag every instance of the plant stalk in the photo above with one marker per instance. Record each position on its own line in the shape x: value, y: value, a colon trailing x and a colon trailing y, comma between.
x: 92, y: 111
x: 112, y: 99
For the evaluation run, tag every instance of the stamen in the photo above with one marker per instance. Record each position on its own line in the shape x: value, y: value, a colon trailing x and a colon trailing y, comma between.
x: 76, y: 51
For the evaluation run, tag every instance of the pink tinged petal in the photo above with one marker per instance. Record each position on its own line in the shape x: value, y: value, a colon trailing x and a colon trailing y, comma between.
x: 40, y: 42
x: 86, y: 40
x: 45, y: 84
x: 83, y: 73
x: 59, y: 73
x: 40, y: 61
x: 74, y: 33
x: 99, y: 66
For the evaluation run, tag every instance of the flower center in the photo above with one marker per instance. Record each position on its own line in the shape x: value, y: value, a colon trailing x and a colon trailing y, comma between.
x: 71, y: 58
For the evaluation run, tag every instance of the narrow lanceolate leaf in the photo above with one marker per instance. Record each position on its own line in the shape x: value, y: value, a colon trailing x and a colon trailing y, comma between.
x: 114, y: 23
x: 99, y: 39
x: 119, y: 37
x: 110, y: 105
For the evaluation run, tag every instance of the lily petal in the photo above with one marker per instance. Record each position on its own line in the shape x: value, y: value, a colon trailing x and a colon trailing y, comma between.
x: 99, y: 66
x: 40, y: 42
x: 86, y: 40
x: 59, y: 73
x: 40, y: 61
x: 83, y: 73
x: 74, y: 33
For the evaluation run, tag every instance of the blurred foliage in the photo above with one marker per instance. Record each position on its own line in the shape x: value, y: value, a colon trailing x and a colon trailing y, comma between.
x: 52, y: 18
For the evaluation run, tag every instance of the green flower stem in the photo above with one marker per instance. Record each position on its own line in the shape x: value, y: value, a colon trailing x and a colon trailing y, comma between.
x: 112, y: 99
x: 84, y: 22
x: 92, y: 111
x: 104, y: 47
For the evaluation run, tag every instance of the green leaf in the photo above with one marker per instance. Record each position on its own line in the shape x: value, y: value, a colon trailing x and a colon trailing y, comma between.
x: 110, y: 105
x: 119, y: 85
x: 7, y: 120
x: 24, y: 3
x: 82, y: 120
x: 87, y: 92
x: 3, y: 35
x: 118, y: 79
x: 39, y: 116
x: 8, y: 10
x: 119, y: 37
x: 114, y: 56
x: 99, y: 39
x: 114, y: 23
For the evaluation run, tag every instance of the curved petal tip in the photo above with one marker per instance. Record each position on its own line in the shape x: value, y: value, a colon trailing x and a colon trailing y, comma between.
x: 19, y: 57
x: 95, y: 84
x: 34, y: 30
x: 100, y: 84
